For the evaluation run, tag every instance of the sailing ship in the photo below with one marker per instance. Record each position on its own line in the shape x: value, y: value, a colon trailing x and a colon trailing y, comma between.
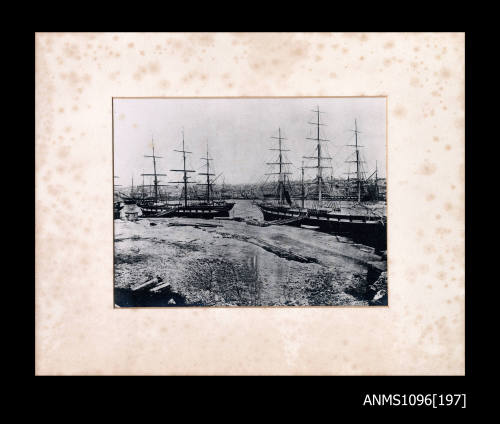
x: 209, y: 207
x: 205, y: 207
x: 153, y: 205
x: 356, y: 220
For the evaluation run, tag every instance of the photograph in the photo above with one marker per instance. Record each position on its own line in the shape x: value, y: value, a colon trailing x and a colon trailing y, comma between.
x: 250, y: 202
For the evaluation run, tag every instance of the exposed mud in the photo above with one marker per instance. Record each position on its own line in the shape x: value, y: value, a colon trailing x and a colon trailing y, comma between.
x: 230, y: 263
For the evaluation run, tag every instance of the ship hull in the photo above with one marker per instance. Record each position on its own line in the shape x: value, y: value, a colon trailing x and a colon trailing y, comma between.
x: 189, y: 211
x: 362, y: 229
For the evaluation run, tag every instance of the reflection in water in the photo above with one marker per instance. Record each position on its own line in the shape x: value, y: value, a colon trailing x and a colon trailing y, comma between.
x: 245, y: 209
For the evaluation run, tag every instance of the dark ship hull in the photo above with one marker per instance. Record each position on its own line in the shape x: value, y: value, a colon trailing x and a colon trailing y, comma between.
x: 200, y: 210
x: 151, y: 210
x: 117, y: 210
x: 204, y: 211
x: 369, y: 230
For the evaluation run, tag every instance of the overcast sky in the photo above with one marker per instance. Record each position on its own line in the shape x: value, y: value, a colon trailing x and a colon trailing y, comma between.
x: 238, y: 133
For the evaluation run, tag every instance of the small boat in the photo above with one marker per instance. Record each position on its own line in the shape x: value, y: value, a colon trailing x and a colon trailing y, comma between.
x: 117, y: 207
x: 117, y: 201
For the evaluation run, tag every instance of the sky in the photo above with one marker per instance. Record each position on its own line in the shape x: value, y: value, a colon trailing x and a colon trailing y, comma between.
x: 238, y: 132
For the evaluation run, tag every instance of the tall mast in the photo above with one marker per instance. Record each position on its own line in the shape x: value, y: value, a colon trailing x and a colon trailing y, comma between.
x: 376, y: 180
x: 280, y: 167
x: 319, y: 166
x: 184, y: 167
x: 358, y: 160
x: 302, y: 184
x: 183, y: 170
x: 155, y: 175
x: 154, y: 170
x: 208, y: 174
x: 281, y: 174
x: 143, y: 191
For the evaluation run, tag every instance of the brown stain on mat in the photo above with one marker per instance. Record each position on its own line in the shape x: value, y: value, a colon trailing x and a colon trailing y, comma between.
x: 445, y: 73
x: 400, y: 111
x: 427, y: 168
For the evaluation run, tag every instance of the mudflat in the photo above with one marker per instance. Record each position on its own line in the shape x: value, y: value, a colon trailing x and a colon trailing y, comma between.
x: 222, y: 262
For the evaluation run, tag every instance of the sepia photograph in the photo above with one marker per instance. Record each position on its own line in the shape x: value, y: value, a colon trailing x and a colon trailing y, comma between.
x: 250, y: 202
